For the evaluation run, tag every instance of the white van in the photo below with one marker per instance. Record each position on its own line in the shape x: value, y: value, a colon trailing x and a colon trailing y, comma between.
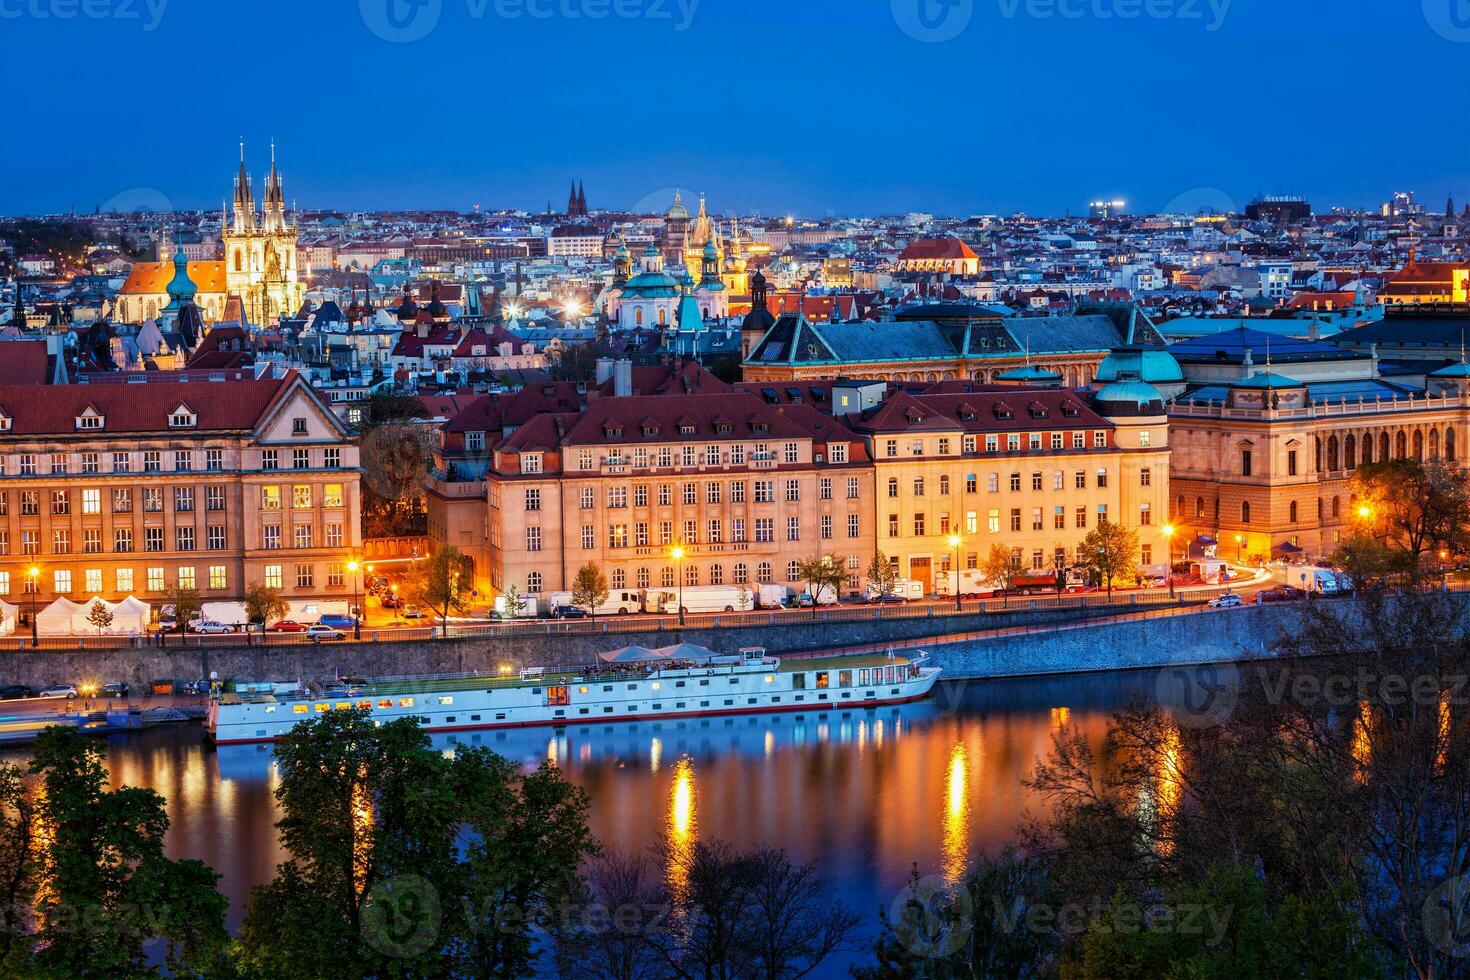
x: 701, y: 598
x: 620, y: 602
x: 904, y: 588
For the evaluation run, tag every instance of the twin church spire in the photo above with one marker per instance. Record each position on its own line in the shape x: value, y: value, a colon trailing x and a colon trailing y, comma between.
x: 272, y: 216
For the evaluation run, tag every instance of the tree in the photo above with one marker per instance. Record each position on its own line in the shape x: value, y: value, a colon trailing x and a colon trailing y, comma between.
x: 882, y: 574
x: 96, y: 884
x: 405, y: 863
x: 589, y: 588
x: 821, y: 573
x: 743, y: 595
x: 263, y: 604
x: 1110, y: 553
x: 1414, y: 509
x: 395, y: 461
x: 515, y: 603
x: 185, y: 604
x: 444, y: 582
x: 99, y: 616
x: 999, y: 567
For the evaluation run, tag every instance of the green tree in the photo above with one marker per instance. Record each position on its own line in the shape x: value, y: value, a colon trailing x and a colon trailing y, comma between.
x: 515, y: 603
x: 590, y: 589
x: 999, y: 567
x: 1110, y: 553
x: 443, y: 582
x: 882, y: 574
x: 405, y: 863
x: 100, y: 884
x: 99, y: 616
x: 264, y: 604
x: 821, y: 573
x: 1414, y: 509
x: 184, y: 602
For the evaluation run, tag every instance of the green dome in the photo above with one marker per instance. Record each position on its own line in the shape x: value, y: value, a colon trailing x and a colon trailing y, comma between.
x: 1129, y: 398
x: 181, y: 288
x: 1155, y: 365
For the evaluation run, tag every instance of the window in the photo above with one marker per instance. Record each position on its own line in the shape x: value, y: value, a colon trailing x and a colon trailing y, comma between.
x: 184, y: 539
x: 122, y: 501
x: 1036, y: 481
x: 270, y: 459
x: 837, y: 452
x: 853, y: 525
x: 741, y: 574
x: 214, y: 459
x: 1081, y: 517
x: 587, y: 498
x: 183, y: 499
x: 919, y: 525
x: 793, y: 529
x: 91, y: 541
x: 992, y: 483
x: 333, y: 535
x: 533, y: 581
x: 58, y: 463
x: 152, y: 463
x: 691, y: 493
x: 765, y: 529
x: 183, y: 460
x: 271, y: 537
x: 153, y: 539
x: 218, y: 577
x: 214, y: 498
x: 1245, y: 512
x: 304, y: 576
x: 301, y: 496
x: 893, y: 525
x: 1245, y: 462
x: 30, y: 542
x: 122, y: 540
x: 1291, y: 462
x: 1145, y: 515
x: 182, y: 418
x: 824, y: 488
x: 90, y: 463
x: 301, y: 535
x: 852, y: 488
x: 61, y: 581
x: 589, y: 536
x: 122, y: 462
x: 1015, y: 483
x: 270, y: 498
x: 531, y: 463
x: 61, y: 541
x: 4, y: 583
x: 301, y: 459
x: 1100, y: 440
x: 533, y: 539
x: 214, y: 537
x: 332, y: 458
x: 124, y: 579
x: 918, y: 486
x: 1145, y: 477
x: 153, y: 500
x: 273, y: 576
x: 1036, y: 522
x: 1102, y: 479
x: 332, y: 495
x: 60, y: 502
x: 765, y: 491
x: 27, y: 465
x: 186, y: 577
x: 91, y: 501
x: 793, y: 491
x: 155, y: 579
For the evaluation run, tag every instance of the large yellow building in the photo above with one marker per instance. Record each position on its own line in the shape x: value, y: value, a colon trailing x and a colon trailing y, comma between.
x: 148, y: 481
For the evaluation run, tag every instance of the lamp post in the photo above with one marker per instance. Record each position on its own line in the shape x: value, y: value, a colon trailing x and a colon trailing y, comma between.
x: 355, y: 568
x: 1239, y: 547
x: 1444, y: 569
x: 34, y: 574
x: 677, y: 554
x: 394, y: 587
x: 1169, y: 548
x: 954, y: 576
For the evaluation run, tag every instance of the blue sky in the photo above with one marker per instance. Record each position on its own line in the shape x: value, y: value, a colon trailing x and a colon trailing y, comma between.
x: 770, y: 106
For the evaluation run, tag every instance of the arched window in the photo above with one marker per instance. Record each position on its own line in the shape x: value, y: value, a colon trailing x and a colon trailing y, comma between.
x: 638, y: 316
x: 1332, y: 454
x: 1367, y: 449
x: 1245, y: 512
x: 691, y: 575
x: 1180, y: 509
x: 1350, y: 452
x: 1199, y: 506
x: 1293, y: 512
x: 1336, y: 508
x: 663, y: 316
x: 1383, y: 456
x: 1400, y: 446
x: 793, y: 571
x: 1418, y: 445
x: 1434, y: 444
x: 619, y: 579
x: 239, y: 261
x: 742, y: 574
x: 763, y: 572
x: 666, y: 578
x: 641, y: 577
x: 717, y: 575
x: 1317, y: 455
x: 1449, y: 443
x: 533, y: 581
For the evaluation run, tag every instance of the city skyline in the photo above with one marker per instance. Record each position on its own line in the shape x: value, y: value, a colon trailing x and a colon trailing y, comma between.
x: 877, y: 113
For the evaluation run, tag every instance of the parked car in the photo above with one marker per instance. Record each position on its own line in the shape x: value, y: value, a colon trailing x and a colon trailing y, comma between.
x: 337, y: 622
x: 1227, y: 601
x: 391, y: 601
x: 59, y: 691
x: 414, y: 612
x: 320, y: 633
x: 287, y: 626
x: 16, y: 692
x: 570, y: 612
x: 210, y: 626
x: 1283, y: 593
x: 887, y: 600
x: 115, y: 690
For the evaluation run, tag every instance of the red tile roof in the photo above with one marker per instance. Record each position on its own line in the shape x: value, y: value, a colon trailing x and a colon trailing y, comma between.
x: 149, y: 278
x: 937, y: 248
x: 24, y: 362
x: 43, y: 410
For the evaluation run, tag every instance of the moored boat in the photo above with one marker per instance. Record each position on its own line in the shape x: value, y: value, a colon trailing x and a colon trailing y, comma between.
x: 632, y: 683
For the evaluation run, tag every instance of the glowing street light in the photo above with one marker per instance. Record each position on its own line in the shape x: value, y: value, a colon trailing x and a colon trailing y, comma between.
x: 354, y: 568
x: 954, y: 542
x: 1169, y: 547
x: 1365, y: 512
x: 677, y: 554
x: 1239, y: 547
x: 34, y: 574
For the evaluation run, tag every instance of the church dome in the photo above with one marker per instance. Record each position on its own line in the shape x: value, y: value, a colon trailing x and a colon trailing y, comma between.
x: 181, y: 288
x: 678, y: 212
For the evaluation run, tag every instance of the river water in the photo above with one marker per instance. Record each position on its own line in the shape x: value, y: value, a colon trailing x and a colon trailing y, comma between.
x: 867, y: 793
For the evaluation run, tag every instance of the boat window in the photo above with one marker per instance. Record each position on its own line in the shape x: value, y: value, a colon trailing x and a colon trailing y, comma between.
x: 474, y: 717
x: 446, y: 700
x: 658, y: 707
x: 729, y: 701
x: 270, y: 709
x: 678, y: 683
x: 798, y: 681
x: 405, y: 702
x: 299, y: 709
x: 581, y: 690
x: 558, y: 695
x: 632, y: 687
x: 704, y: 682
x: 500, y: 716
x: 450, y: 719
x: 365, y: 705
x: 322, y: 707
x: 770, y: 678
x: 386, y: 703
x: 344, y: 705
x: 844, y: 678
x: 822, y: 679
x: 608, y: 687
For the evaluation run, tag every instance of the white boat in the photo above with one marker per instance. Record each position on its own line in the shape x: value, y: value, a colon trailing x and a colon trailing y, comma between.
x: 633, y: 683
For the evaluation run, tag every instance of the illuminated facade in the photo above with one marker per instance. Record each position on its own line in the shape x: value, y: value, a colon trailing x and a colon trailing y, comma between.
x: 260, y: 250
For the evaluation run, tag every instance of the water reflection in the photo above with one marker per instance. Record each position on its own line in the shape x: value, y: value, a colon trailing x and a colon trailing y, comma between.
x: 682, y: 829
x: 866, y: 792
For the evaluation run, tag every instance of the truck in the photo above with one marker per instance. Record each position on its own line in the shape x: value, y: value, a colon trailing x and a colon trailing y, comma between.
x: 229, y: 613
x: 904, y: 588
x: 309, y: 611
x: 770, y: 595
x: 973, y: 584
x: 1037, y: 583
x: 1316, y: 578
x: 529, y: 609
x: 620, y: 602
x: 700, y: 598
x: 826, y: 596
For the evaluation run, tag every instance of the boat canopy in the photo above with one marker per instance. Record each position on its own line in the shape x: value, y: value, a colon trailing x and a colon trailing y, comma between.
x: 679, y: 651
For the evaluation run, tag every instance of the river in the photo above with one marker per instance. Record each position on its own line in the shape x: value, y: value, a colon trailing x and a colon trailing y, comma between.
x: 867, y: 793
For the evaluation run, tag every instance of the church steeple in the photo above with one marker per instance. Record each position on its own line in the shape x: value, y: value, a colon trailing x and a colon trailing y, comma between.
x: 244, y: 199
x: 581, y: 199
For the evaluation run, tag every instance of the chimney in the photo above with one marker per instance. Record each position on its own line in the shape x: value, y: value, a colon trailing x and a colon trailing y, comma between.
x: 604, y: 370
x: 623, y: 377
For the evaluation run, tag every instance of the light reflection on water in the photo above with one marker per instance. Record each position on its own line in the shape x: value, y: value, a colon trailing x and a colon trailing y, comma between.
x: 867, y: 793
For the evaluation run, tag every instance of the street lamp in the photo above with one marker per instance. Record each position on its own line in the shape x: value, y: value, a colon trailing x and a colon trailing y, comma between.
x: 1239, y: 547
x: 354, y: 567
x: 394, y: 588
x: 954, y: 576
x: 34, y: 574
x: 677, y: 554
x: 1169, y: 547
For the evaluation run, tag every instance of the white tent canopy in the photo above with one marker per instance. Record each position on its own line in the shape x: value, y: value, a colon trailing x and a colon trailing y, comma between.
x: 629, y: 655
x: 60, y: 617
x: 129, y: 616
x: 7, y: 618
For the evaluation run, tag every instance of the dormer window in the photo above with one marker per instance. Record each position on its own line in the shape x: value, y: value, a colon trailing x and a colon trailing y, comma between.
x: 650, y: 429
x: 182, y: 417
x: 613, y: 430
x: 298, y: 427
x: 1069, y: 409
x: 1037, y: 410
x: 723, y: 428
x: 1003, y: 412
x: 90, y: 420
x: 759, y: 427
x: 4, y: 422
x: 914, y: 416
